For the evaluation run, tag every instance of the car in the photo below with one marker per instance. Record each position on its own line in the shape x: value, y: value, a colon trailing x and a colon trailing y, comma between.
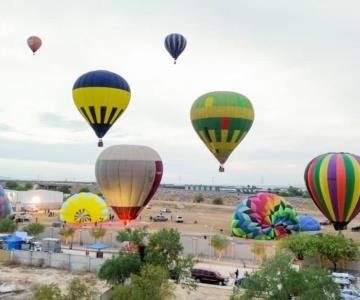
x: 31, y: 208
x: 347, y: 276
x: 23, y: 218
x: 355, y: 229
x: 160, y: 218
x: 179, y: 219
x: 325, y: 222
x: 348, y: 294
x: 165, y: 210
x: 148, y: 206
x: 208, y: 275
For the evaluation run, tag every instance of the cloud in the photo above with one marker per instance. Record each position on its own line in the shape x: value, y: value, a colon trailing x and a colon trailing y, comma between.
x: 59, y: 120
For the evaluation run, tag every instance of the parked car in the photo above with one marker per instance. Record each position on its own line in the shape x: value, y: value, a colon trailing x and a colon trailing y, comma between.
x: 160, y: 218
x: 325, y: 222
x: 165, y: 210
x: 348, y: 294
x: 356, y: 228
x: 179, y: 219
x: 347, y: 276
x: 148, y: 206
x: 209, y: 276
x: 23, y: 218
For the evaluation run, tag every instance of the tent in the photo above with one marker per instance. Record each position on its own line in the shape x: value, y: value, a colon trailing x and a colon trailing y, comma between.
x: 99, y: 246
x: 308, y: 223
x: 13, y: 242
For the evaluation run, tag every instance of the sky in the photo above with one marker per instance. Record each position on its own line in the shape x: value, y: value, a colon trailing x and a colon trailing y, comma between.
x: 297, y: 61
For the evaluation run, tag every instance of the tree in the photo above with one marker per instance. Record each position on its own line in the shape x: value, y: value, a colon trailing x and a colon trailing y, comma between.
x: 152, y: 284
x: 11, y: 185
x: 259, y: 250
x: 117, y: 269
x: 164, y: 248
x: 182, y: 270
x: 48, y: 292
x: 7, y: 226
x: 84, y: 190
x: 336, y: 248
x: 28, y: 186
x: 77, y: 289
x: 67, y: 233
x: 34, y: 229
x: 98, y: 233
x: 65, y: 189
x: 300, y: 244
x: 277, y: 280
x: 137, y: 236
x: 219, y: 243
x: 218, y: 201
x: 199, y: 198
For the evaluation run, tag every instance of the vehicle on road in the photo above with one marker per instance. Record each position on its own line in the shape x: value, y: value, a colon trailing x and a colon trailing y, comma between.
x: 165, y: 210
x: 23, y: 218
x: 350, y: 294
x: 325, y: 222
x: 179, y: 219
x: 347, y: 276
x: 201, y: 274
x: 160, y: 218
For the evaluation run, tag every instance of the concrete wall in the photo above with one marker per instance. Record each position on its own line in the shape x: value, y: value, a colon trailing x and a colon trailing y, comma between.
x: 70, y: 262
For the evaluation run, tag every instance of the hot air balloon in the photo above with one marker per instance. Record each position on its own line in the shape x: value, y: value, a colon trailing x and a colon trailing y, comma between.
x: 222, y: 120
x: 264, y: 216
x: 175, y: 44
x: 333, y: 181
x: 128, y: 177
x: 5, y: 205
x: 84, y: 208
x: 34, y: 43
x: 101, y: 97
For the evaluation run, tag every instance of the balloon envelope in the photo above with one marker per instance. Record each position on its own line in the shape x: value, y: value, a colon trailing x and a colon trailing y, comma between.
x: 34, y: 43
x: 101, y: 97
x: 84, y: 208
x: 128, y: 177
x: 5, y: 205
x: 333, y: 181
x: 264, y: 216
x: 308, y: 223
x: 175, y: 44
x: 222, y: 120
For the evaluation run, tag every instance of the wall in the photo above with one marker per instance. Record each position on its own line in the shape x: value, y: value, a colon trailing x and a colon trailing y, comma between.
x: 70, y: 262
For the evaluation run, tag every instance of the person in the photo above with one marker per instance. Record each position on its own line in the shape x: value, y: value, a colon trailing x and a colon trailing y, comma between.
x: 237, y: 273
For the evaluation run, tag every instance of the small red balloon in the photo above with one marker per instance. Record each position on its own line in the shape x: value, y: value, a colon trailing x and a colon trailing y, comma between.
x: 34, y: 43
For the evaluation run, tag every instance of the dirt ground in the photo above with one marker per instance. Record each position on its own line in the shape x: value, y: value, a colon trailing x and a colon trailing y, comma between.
x: 206, y: 217
x: 30, y: 278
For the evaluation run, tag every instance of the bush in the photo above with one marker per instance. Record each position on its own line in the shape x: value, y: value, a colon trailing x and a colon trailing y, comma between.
x: 199, y: 198
x: 218, y: 201
x: 48, y: 292
x: 34, y: 229
x: 7, y: 226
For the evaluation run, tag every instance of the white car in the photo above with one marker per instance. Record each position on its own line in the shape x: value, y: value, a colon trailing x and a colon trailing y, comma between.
x: 179, y: 219
x: 348, y: 294
x: 165, y: 210
x: 347, y: 276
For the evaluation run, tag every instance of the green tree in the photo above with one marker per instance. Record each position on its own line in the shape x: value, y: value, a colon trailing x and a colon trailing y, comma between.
x: 220, y: 244
x: 84, y: 190
x: 77, y: 289
x: 28, y: 186
x: 34, y: 229
x: 182, y: 271
x: 7, y: 226
x: 218, y: 201
x: 117, y: 269
x: 198, y: 198
x: 137, y: 235
x: 164, y: 248
x: 300, y: 244
x: 48, y: 292
x: 65, y: 189
x: 98, y: 233
x: 336, y: 248
x: 11, y: 185
x: 68, y: 234
x: 277, y: 280
x: 151, y: 284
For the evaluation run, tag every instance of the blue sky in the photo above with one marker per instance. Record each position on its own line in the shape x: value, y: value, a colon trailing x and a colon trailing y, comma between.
x: 298, y: 62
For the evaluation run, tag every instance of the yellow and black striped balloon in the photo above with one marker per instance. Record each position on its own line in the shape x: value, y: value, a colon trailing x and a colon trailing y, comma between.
x: 101, y: 97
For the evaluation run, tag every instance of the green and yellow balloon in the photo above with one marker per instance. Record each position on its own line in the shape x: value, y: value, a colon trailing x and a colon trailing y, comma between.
x: 222, y: 120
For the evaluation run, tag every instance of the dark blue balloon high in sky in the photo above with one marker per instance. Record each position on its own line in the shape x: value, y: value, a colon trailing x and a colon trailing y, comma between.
x: 175, y: 44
